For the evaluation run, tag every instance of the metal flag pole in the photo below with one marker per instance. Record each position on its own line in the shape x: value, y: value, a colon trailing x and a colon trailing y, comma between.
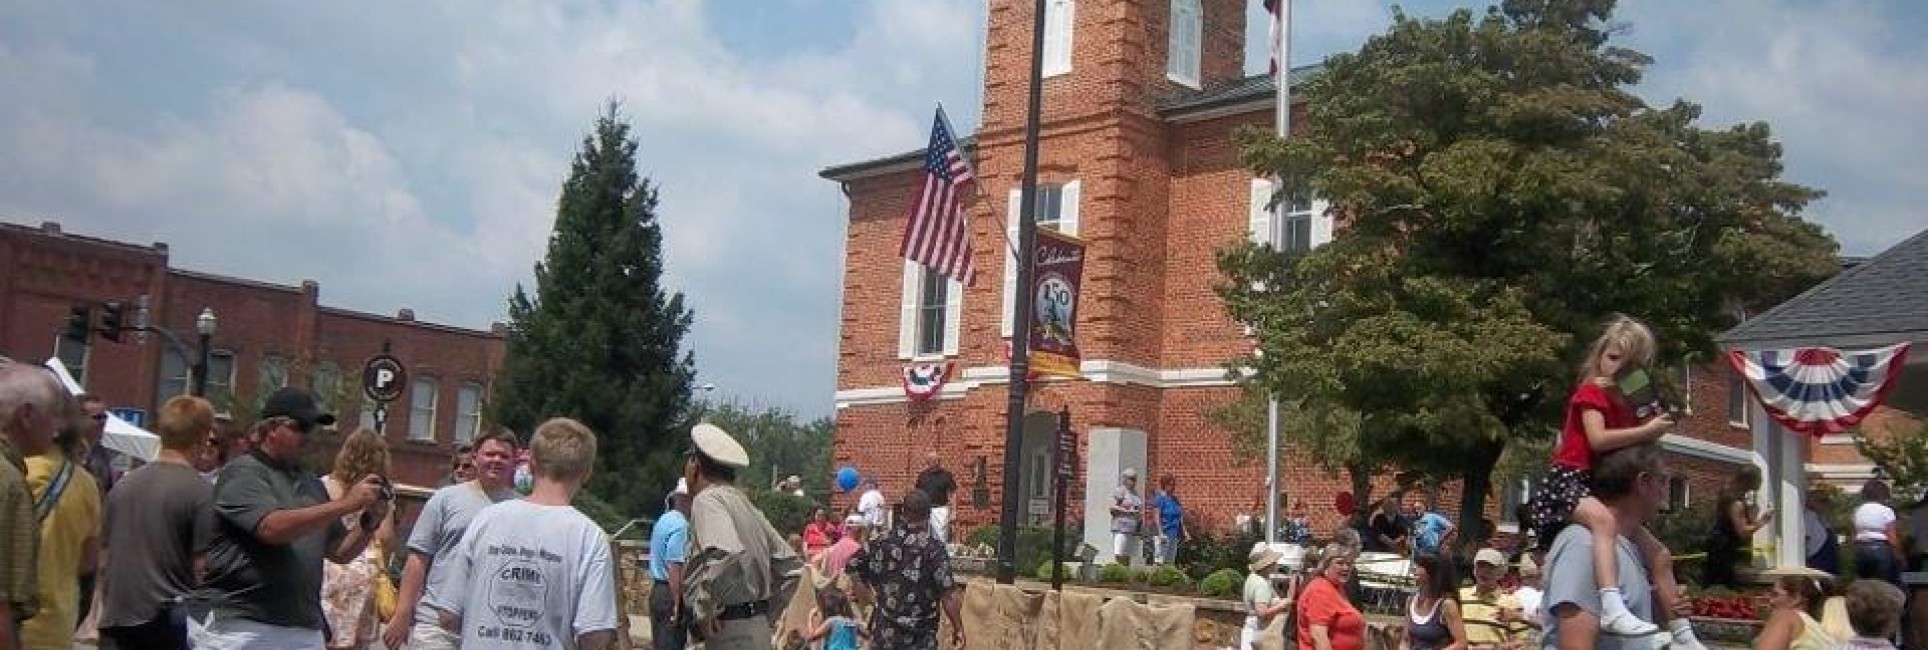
x: 1280, y: 207
x: 1007, y: 534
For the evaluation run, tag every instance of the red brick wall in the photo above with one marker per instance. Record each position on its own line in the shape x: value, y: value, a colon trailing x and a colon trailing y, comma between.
x: 43, y: 272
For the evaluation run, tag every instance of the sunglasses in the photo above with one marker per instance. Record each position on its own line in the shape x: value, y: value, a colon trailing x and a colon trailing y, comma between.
x: 99, y: 417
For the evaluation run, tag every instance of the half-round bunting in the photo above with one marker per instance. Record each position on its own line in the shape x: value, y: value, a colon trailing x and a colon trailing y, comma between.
x: 922, y: 382
x: 1819, y: 391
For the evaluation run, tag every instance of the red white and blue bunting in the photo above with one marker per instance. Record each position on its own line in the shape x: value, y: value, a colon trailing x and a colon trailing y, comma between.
x: 923, y: 382
x: 1820, y: 391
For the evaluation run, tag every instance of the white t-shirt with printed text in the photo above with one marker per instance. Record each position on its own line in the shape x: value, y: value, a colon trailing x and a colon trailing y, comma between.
x: 529, y: 576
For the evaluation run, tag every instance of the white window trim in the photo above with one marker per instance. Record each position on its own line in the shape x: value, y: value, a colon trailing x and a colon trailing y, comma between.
x: 1737, y: 383
x: 1183, y: 58
x: 1070, y: 195
x: 1060, y: 26
x: 86, y: 359
x: 1686, y: 491
x: 434, y: 407
x: 913, y: 284
x: 476, y: 430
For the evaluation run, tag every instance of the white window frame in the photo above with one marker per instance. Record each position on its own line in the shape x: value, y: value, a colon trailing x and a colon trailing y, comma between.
x: 468, y: 423
x: 1070, y: 196
x: 1686, y: 493
x: 1060, y: 23
x: 61, y: 344
x: 1265, y: 227
x: 1522, y: 486
x: 1184, y: 43
x: 262, y: 369
x: 1737, y: 397
x: 420, y: 418
x: 907, y: 325
x: 332, y: 388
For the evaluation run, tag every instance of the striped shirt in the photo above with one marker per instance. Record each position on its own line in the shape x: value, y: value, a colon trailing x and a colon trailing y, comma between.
x: 19, y: 537
x: 1482, y: 617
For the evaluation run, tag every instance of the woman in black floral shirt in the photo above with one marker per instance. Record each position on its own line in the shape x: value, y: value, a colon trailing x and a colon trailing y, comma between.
x: 909, y: 572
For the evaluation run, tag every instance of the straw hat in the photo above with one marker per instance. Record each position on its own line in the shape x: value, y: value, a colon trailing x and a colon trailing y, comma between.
x: 1263, y: 559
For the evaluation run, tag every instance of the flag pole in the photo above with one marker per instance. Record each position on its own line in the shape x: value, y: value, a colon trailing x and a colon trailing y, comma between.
x: 1007, y: 534
x: 1283, y: 112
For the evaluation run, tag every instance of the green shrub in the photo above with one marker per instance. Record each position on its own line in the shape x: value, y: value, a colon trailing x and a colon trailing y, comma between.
x: 1206, y: 552
x: 1114, y: 574
x: 1223, y: 583
x: 1034, y: 542
x: 1168, y: 576
x: 1044, y: 571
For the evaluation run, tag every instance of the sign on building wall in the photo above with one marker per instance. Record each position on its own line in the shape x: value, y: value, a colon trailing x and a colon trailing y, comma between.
x: 1054, y: 317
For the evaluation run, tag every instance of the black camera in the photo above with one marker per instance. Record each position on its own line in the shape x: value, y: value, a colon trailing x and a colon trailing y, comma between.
x: 386, y: 490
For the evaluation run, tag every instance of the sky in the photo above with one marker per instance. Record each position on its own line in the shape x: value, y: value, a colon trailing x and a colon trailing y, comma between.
x: 409, y: 155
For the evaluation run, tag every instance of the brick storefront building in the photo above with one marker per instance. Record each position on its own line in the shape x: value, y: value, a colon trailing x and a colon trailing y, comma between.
x: 267, y: 335
x: 1142, y: 99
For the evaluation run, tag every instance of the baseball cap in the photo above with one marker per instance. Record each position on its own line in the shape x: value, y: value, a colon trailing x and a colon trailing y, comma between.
x: 1489, y: 556
x: 296, y: 404
x: 855, y: 521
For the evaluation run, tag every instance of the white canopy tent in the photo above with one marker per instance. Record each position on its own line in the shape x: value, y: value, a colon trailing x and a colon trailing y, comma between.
x: 120, y: 435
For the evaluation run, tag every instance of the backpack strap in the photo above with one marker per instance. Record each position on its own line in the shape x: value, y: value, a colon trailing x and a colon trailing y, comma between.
x: 55, y: 488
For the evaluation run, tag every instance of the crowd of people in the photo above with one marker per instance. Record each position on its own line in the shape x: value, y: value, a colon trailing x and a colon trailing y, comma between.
x: 222, y: 540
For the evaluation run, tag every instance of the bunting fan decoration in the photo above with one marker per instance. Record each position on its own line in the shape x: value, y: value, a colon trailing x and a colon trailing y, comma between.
x: 922, y: 382
x: 1820, y: 391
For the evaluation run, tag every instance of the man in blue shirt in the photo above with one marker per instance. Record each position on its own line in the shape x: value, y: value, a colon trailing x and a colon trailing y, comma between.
x: 1429, y: 533
x: 668, y: 542
x: 1171, y: 521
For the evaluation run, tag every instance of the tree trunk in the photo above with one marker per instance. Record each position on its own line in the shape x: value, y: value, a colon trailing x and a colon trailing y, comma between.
x: 1475, y: 481
x: 1361, y: 486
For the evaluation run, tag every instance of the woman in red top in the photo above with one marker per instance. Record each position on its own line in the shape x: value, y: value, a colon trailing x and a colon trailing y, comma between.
x: 1327, y: 621
x: 1599, y: 420
x: 819, y: 534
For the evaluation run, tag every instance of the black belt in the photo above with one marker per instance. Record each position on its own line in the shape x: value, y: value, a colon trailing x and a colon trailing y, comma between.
x: 741, y: 611
x: 660, y: 582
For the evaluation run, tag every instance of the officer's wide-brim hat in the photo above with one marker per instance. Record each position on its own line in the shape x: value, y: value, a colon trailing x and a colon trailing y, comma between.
x: 716, y: 444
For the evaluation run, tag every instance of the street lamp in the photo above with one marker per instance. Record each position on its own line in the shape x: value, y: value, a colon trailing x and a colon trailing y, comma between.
x: 203, y: 325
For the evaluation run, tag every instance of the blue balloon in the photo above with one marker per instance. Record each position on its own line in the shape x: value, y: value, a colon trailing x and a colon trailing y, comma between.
x: 847, y: 479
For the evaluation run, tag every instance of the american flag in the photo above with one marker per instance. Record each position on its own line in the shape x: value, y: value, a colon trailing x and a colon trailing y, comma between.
x: 937, y: 236
x: 1278, y: 23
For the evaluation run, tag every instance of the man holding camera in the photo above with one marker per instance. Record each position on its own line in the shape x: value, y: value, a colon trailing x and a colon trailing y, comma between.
x: 273, y: 526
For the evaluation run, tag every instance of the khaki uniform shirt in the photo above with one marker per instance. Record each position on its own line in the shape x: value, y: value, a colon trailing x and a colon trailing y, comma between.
x: 19, y: 537
x: 735, y: 556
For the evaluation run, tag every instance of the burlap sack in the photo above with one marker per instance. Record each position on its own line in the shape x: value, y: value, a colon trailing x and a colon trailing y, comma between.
x: 794, y: 625
x: 1078, y: 621
x: 1168, y: 626
x: 1272, y: 636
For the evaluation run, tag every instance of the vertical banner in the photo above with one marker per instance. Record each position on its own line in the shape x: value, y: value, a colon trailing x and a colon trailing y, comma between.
x: 1054, y: 294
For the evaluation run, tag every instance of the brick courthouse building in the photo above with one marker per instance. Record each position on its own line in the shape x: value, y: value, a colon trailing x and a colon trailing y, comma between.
x: 267, y: 335
x: 1142, y: 99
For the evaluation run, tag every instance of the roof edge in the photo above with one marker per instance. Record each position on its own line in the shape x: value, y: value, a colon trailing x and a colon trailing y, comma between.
x: 1743, y: 333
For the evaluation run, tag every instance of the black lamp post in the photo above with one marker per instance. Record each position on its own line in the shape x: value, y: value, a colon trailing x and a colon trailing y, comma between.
x: 203, y: 325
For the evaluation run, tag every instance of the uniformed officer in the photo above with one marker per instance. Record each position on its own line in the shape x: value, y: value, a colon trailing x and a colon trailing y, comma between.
x: 739, y: 570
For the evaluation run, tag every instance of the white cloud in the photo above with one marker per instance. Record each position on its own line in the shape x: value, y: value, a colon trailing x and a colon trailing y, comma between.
x: 1840, y: 82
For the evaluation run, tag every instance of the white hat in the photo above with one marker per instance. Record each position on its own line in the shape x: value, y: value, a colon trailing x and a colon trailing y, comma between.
x: 1131, y: 472
x: 855, y: 521
x: 1489, y: 556
x: 716, y: 444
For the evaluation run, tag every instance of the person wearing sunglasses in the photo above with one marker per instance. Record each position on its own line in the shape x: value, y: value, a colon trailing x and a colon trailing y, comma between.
x: 274, y: 525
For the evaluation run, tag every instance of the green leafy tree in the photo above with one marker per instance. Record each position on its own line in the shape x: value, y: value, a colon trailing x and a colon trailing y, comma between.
x: 780, y: 445
x: 1499, y: 193
x: 1902, y: 459
x: 601, y: 340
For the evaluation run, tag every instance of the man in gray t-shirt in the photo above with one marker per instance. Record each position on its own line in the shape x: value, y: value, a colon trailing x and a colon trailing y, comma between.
x: 1632, y: 482
x: 441, y: 524
x: 1569, y: 582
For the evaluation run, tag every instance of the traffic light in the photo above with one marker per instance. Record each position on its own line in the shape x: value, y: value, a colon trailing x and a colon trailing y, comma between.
x: 110, y: 321
x: 80, y: 322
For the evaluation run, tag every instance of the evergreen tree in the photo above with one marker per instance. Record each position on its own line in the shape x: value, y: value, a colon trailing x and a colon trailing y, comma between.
x: 1499, y: 192
x: 601, y: 341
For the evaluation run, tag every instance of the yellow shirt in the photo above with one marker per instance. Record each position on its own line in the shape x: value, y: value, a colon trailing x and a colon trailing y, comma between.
x: 63, y: 539
x: 1482, y: 617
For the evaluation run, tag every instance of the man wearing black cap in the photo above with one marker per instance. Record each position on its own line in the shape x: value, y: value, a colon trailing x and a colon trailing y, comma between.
x: 273, y: 526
